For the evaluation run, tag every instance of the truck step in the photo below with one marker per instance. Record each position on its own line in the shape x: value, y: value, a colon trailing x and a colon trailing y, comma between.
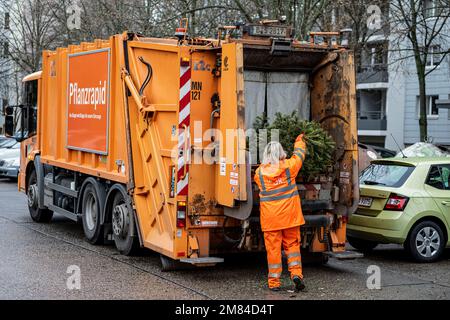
x: 344, y: 255
x: 203, y: 261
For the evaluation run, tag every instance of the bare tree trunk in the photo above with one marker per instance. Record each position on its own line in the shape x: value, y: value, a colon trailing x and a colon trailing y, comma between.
x: 423, y: 121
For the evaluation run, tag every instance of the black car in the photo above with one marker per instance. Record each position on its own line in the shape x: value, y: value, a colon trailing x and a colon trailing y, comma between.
x: 383, y: 152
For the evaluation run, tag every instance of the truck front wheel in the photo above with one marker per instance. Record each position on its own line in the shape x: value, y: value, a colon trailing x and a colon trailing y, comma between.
x: 91, y: 215
x: 124, y: 230
x: 36, y: 213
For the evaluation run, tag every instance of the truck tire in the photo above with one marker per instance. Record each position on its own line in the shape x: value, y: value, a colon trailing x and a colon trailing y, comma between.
x: 316, y: 259
x: 124, y: 229
x: 426, y: 242
x: 36, y: 213
x: 361, y: 244
x: 91, y: 215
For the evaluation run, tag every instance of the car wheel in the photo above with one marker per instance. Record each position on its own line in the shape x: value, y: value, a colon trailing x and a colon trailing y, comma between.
x: 36, y: 213
x: 91, y: 215
x: 426, y: 242
x: 361, y: 244
x: 124, y: 227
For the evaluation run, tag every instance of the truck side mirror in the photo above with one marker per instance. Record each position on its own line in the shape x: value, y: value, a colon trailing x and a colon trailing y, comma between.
x: 9, y: 125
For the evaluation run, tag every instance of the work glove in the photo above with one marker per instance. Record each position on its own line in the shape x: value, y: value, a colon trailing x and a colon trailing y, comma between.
x: 300, y: 138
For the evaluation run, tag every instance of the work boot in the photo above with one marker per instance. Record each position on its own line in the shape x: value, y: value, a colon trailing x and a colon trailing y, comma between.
x: 275, y: 289
x: 299, y: 283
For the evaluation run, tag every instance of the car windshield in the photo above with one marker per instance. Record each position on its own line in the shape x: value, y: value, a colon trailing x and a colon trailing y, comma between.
x: 383, y: 174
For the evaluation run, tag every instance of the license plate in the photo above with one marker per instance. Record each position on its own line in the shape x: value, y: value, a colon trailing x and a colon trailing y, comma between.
x: 365, y: 201
x: 268, y: 31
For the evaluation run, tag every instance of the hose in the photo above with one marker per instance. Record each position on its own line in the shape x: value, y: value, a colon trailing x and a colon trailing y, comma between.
x: 325, y: 237
x: 230, y: 240
x: 211, y: 120
x: 149, y: 75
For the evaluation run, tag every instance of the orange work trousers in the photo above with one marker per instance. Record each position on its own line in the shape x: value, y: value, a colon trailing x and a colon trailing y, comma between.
x: 290, y: 240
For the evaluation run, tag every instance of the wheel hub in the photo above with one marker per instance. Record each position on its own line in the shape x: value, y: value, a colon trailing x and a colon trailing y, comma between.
x: 428, y: 242
x: 32, y: 195
x: 120, y: 220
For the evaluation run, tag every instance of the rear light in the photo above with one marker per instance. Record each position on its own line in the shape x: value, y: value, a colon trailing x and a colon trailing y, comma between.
x: 181, y: 214
x: 185, y: 62
x: 396, y: 202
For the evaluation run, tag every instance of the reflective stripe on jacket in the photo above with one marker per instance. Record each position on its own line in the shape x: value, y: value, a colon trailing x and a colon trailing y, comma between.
x: 279, y: 198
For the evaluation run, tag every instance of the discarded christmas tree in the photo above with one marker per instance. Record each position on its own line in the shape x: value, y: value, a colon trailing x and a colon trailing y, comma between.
x: 320, y: 146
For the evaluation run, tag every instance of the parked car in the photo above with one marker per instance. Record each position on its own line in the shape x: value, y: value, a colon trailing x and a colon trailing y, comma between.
x: 10, y: 160
x: 404, y: 201
x: 365, y: 155
x: 7, y: 142
x: 383, y: 152
x: 423, y: 149
x: 2, y: 138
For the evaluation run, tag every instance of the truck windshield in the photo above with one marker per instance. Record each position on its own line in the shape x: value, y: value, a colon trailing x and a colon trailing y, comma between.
x: 389, y: 175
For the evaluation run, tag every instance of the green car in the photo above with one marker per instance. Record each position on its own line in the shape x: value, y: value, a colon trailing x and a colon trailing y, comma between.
x: 404, y: 201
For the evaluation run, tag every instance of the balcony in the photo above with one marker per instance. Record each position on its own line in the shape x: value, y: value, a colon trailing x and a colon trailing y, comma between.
x: 372, y: 120
x: 372, y: 73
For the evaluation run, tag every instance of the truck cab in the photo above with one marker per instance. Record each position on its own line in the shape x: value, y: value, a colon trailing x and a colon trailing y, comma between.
x: 21, y: 123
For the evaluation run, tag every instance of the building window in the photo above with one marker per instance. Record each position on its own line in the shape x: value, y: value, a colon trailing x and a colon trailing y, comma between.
x: 6, y: 22
x: 434, y: 56
x: 448, y: 110
x: 433, y: 8
x: 431, y: 108
x: 375, y: 54
x: 428, y: 8
x: 374, y: 57
x: 4, y: 105
x: 5, y: 52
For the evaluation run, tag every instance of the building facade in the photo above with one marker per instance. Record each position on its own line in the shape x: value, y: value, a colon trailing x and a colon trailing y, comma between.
x: 388, y: 92
x: 8, y: 87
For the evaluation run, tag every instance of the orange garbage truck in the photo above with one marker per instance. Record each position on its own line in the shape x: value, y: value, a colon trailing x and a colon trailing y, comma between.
x: 144, y: 141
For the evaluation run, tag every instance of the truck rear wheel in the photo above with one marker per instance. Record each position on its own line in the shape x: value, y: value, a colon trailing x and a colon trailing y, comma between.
x: 91, y: 215
x: 124, y: 228
x: 36, y: 213
x: 316, y: 259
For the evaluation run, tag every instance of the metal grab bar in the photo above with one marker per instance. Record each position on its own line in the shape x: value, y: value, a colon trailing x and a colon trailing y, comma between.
x: 185, y: 151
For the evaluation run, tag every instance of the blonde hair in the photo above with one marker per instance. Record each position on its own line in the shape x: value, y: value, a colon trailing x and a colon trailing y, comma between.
x: 273, y: 153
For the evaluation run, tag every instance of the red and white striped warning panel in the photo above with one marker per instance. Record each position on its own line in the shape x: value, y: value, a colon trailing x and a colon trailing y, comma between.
x: 183, y: 130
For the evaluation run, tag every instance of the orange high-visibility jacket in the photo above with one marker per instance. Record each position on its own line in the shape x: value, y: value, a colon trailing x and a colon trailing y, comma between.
x: 279, y: 198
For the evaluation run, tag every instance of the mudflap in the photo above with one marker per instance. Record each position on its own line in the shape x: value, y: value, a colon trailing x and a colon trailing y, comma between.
x: 344, y: 255
x: 169, y: 264
x: 202, y: 261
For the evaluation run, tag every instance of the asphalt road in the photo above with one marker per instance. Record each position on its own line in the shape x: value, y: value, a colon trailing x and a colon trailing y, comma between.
x: 34, y: 259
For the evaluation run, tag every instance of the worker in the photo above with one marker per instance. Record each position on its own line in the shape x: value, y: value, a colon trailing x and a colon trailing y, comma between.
x: 281, y: 214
